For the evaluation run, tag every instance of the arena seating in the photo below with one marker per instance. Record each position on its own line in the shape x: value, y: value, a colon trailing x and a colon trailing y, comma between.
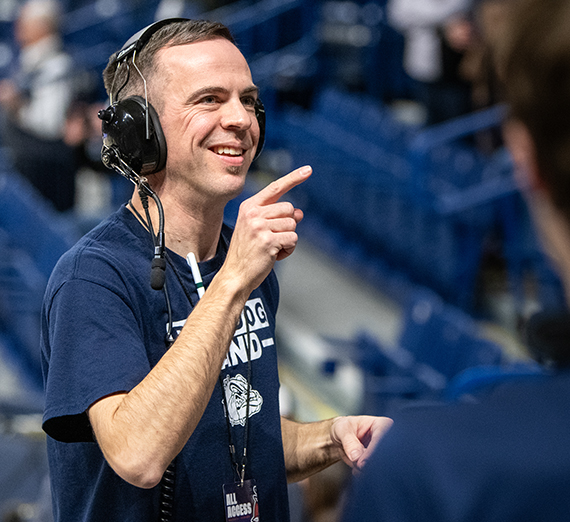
x: 410, y: 209
x: 406, y: 205
x: 440, y: 355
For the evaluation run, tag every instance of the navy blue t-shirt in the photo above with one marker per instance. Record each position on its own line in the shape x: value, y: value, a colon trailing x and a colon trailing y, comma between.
x: 503, y: 459
x: 103, y: 329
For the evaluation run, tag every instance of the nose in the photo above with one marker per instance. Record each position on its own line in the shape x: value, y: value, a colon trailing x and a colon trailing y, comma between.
x: 236, y: 115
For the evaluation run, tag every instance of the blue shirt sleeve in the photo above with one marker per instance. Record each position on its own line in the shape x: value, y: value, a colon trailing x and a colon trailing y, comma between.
x: 94, y: 348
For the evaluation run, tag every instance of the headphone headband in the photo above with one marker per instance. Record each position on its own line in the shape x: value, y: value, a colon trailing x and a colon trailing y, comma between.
x: 139, y: 39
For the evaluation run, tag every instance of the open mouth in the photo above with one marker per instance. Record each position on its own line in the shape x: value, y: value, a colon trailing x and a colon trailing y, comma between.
x: 228, y: 151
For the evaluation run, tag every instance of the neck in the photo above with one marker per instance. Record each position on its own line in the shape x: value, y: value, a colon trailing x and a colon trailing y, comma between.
x: 186, y: 229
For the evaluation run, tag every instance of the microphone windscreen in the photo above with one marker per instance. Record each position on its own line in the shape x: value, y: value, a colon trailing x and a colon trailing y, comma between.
x: 157, y: 273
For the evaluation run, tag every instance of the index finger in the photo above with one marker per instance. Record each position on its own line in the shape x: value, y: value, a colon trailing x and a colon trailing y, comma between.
x: 276, y: 189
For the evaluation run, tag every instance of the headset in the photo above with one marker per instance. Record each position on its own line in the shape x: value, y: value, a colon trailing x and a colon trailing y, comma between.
x: 131, y: 127
x: 133, y: 140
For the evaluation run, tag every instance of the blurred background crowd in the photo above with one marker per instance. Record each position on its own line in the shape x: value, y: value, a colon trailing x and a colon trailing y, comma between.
x: 412, y: 217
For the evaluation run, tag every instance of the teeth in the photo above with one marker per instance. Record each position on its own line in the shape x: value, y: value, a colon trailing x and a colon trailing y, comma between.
x: 228, y: 150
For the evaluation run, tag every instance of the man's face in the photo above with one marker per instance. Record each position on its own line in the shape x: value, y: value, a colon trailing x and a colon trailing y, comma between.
x: 207, y: 116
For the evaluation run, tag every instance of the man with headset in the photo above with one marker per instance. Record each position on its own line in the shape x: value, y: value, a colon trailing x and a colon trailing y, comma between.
x: 503, y: 455
x: 142, y: 423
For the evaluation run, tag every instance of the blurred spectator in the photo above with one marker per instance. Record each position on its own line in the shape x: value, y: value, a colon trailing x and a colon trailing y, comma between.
x: 38, y: 95
x: 35, y: 102
x: 437, y: 34
x: 82, y: 131
x: 98, y: 189
x: 478, y: 62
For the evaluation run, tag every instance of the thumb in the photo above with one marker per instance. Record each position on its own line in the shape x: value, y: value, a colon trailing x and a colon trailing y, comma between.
x: 345, y: 437
x: 353, y: 449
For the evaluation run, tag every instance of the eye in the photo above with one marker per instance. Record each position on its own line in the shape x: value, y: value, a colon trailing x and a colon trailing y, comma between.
x: 209, y: 100
x: 249, y: 101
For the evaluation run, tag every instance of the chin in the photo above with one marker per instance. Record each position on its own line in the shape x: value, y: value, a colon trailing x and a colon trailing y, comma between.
x: 236, y: 183
x: 238, y: 173
x: 235, y: 170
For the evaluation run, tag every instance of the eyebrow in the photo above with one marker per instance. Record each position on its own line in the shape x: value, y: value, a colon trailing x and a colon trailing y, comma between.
x: 221, y: 90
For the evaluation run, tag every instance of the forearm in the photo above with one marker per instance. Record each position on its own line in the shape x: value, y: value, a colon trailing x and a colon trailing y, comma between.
x: 142, y: 431
x: 308, y: 448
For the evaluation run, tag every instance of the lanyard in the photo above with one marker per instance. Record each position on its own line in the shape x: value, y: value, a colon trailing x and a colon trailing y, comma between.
x: 238, y: 466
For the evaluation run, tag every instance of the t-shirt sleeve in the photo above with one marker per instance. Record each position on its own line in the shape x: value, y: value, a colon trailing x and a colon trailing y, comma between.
x: 92, y: 348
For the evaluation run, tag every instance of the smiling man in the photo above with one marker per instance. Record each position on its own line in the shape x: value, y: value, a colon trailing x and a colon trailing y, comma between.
x: 163, y: 405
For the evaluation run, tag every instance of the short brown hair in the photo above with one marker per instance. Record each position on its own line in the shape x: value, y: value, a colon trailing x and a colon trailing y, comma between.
x: 534, y: 62
x: 129, y: 82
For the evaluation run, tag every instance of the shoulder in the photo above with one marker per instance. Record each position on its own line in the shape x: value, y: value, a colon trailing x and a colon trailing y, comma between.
x: 111, y: 251
x: 423, y: 451
x: 457, y: 461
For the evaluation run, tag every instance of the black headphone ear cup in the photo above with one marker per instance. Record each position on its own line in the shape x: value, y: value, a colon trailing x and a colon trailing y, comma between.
x: 260, y: 115
x: 157, y: 137
x: 125, y: 130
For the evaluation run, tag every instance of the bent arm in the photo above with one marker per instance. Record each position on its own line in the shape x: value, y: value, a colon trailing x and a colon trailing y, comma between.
x: 308, y: 448
x: 140, y: 432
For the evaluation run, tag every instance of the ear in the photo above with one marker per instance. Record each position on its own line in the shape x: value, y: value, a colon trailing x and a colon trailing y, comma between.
x: 523, y: 151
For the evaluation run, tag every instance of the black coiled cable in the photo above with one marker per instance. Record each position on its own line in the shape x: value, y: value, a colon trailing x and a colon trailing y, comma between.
x: 167, y: 485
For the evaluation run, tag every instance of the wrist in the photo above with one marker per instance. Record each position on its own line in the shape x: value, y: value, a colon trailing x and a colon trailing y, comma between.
x: 229, y: 287
x: 336, y: 442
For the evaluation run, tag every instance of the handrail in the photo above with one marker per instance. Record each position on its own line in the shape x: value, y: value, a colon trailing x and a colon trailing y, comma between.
x: 457, y: 128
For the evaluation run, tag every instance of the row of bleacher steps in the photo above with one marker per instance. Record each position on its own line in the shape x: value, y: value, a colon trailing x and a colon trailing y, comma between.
x: 348, y: 347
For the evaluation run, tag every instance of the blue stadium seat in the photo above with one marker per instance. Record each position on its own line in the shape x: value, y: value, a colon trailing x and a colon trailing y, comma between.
x: 22, y: 287
x: 440, y: 355
x: 444, y: 337
x: 23, y: 477
x: 474, y: 381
